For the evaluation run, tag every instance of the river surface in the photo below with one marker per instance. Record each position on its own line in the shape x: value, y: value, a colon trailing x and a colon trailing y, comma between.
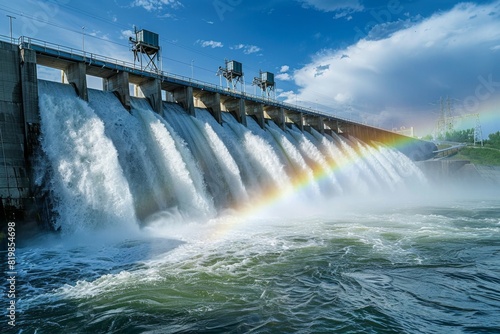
x: 367, y: 266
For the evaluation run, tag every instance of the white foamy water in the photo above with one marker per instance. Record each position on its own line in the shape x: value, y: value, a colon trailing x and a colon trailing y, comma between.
x: 87, y: 181
x: 179, y: 224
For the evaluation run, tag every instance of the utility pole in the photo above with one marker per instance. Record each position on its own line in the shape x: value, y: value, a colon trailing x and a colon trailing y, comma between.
x: 83, y: 39
x: 10, y: 19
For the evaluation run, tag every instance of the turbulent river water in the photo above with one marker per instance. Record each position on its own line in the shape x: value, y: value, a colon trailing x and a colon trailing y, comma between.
x: 427, y: 267
x: 179, y: 225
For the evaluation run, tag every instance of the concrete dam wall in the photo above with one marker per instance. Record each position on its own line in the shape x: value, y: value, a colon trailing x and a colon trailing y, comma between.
x: 20, y: 117
x: 19, y: 127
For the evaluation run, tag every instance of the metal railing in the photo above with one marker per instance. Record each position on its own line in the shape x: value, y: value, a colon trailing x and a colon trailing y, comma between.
x: 7, y: 39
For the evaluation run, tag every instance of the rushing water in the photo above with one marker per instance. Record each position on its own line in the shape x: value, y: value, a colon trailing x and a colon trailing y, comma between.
x: 176, y: 224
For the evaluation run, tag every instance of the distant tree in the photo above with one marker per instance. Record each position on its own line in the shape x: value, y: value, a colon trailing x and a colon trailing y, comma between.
x: 461, y: 136
x: 494, y: 139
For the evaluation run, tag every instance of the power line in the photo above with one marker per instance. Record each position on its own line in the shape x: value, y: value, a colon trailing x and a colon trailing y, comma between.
x: 44, y: 21
x: 47, y: 22
x: 124, y: 27
x: 105, y: 20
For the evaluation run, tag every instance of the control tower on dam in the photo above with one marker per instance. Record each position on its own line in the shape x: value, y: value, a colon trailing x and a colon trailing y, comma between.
x: 19, y: 114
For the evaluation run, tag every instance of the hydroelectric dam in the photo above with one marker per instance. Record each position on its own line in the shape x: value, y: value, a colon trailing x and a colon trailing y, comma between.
x: 211, y: 130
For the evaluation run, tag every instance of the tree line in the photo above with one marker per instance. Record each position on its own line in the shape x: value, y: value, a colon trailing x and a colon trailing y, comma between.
x: 467, y: 136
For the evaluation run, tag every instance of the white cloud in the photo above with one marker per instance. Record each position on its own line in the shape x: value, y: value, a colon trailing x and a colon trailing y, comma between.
x: 251, y: 49
x: 247, y: 49
x: 392, y: 81
x: 283, y: 76
x: 345, y: 14
x: 211, y: 44
x: 167, y: 16
x: 151, y: 5
x: 99, y: 34
x: 342, y: 7
x: 126, y: 34
x: 289, y: 96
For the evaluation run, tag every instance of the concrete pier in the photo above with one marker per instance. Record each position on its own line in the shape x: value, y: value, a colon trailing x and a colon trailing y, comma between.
x: 297, y: 119
x: 184, y: 96
x: 277, y: 115
x: 211, y: 101
x: 76, y: 75
x: 151, y: 89
x: 256, y: 110
x: 118, y: 84
x: 316, y: 123
x: 235, y: 106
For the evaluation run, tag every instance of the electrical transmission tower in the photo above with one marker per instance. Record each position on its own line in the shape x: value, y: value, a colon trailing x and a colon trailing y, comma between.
x: 478, y: 131
x: 446, y: 122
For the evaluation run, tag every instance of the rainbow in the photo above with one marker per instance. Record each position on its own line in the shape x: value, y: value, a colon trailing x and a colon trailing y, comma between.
x: 301, y: 182
x: 489, y: 116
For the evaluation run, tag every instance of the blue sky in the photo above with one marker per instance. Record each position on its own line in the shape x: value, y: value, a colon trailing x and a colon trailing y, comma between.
x: 385, y: 63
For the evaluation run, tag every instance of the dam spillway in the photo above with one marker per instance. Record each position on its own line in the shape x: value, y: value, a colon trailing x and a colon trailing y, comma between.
x: 207, y: 148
